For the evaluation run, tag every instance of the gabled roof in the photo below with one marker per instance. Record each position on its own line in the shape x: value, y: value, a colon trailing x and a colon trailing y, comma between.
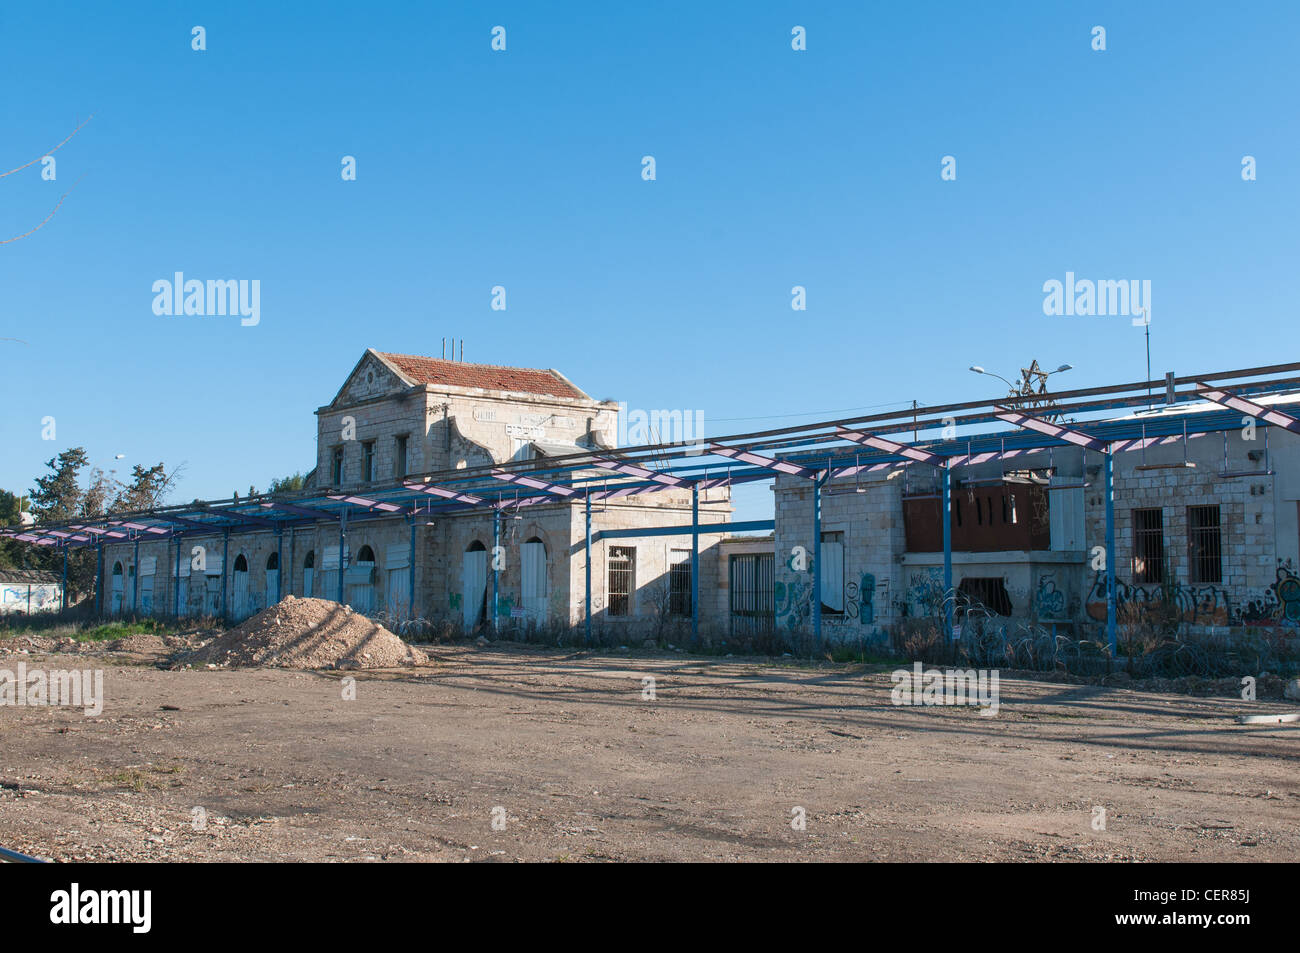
x: 519, y: 380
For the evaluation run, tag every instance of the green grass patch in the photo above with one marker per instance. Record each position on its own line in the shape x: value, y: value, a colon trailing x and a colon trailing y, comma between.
x: 91, y: 631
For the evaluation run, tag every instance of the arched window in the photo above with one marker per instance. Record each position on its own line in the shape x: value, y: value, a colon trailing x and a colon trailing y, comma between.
x: 117, y: 589
x: 360, y: 581
x: 533, y: 579
x: 272, y: 579
x: 241, y: 602
x: 308, y: 572
x: 473, y: 590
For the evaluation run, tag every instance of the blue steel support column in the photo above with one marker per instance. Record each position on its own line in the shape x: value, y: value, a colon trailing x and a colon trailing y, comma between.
x: 410, y: 580
x: 176, y: 581
x: 63, y: 586
x: 587, y: 604
x: 496, y: 573
x: 343, y: 543
x: 1109, y: 467
x: 293, y: 539
x: 99, y: 572
x: 279, y: 565
x: 695, y: 564
x: 225, y: 568
x: 945, y: 477
x: 817, y: 559
x: 135, y: 582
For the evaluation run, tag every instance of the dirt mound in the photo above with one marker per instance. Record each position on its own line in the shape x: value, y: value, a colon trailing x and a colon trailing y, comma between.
x: 140, y: 643
x: 307, y: 633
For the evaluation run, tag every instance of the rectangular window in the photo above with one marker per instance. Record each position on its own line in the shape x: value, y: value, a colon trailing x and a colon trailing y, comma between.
x: 831, y: 573
x: 984, y: 594
x: 336, y: 467
x: 368, y: 462
x: 751, y: 580
x: 399, y: 457
x: 622, y: 579
x: 1205, y: 542
x: 679, y: 582
x: 1148, y: 546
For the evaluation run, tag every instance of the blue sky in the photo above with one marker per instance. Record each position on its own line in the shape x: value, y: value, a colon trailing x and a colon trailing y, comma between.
x: 475, y: 168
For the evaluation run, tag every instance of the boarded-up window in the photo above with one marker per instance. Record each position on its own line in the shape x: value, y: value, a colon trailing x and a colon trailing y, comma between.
x: 831, y: 573
x: 532, y: 567
x: 985, y: 519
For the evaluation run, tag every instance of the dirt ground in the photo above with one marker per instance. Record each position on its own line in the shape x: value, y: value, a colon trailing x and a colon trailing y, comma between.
x: 564, y: 752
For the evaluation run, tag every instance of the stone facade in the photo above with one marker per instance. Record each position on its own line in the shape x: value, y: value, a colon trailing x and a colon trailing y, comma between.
x: 882, y: 582
x: 445, y: 416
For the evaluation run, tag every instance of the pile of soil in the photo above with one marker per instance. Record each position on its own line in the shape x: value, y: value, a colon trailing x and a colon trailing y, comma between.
x: 140, y: 643
x: 307, y: 633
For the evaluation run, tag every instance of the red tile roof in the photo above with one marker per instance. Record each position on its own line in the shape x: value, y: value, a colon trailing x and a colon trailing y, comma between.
x: 526, y: 380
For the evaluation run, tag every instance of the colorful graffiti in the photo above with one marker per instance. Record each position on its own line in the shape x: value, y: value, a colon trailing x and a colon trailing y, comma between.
x: 794, y: 604
x: 1277, y: 605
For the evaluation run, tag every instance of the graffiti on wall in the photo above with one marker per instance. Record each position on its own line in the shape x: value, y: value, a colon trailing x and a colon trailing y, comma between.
x: 794, y: 604
x: 1276, y: 605
x: 1049, y: 601
x: 923, y: 595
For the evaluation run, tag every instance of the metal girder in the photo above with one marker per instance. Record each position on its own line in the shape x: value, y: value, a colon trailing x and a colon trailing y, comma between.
x: 1141, y: 443
x: 565, y: 491
x: 197, y: 524
x: 767, y: 463
x: 865, y: 468
x: 301, y: 510
x: 1037, y: 424
x: 446, y: 494
x: 368, y: 503
x: 632, y: 469
x: 893, y: 446
x: 1225, y: 398
x: 230, y: 514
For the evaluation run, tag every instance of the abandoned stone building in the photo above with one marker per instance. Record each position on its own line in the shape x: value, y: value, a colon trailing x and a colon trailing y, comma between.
x: 398, y: 416
x: 1207, y: 523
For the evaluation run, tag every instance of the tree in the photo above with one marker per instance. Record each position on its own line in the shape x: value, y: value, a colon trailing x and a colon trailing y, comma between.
x: 99, y: 491
x: 148, y: 488
x: 57, y: 496
x: 288, y: 484
x: 11, y: 551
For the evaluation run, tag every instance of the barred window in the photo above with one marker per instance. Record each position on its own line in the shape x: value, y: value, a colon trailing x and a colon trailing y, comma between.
x: 1148, y: 546
x: 622, y: 575
x: 1205, y: 544
x: 679, y: 582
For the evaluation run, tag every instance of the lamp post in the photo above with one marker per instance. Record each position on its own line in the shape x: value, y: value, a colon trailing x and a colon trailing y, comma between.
x: 1025, y: 393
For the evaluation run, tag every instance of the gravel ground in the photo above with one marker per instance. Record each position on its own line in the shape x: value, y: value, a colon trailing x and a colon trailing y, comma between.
x: 564, y: 753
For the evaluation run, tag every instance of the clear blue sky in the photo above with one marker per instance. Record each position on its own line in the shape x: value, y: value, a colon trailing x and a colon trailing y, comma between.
x: 475, y: 168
